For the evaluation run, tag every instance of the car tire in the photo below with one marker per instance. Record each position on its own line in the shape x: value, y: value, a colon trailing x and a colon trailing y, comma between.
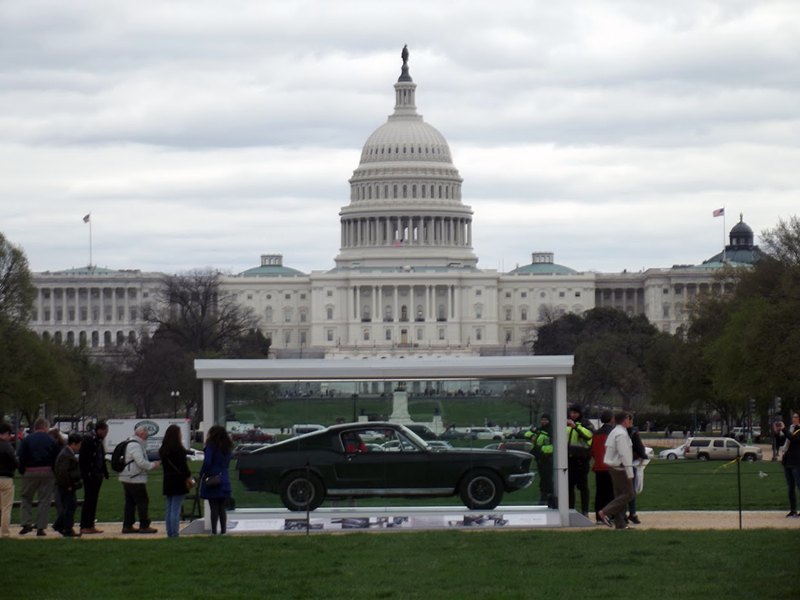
x: 497, y: 438
x: 702, y: 457
x: 481, y: 490
x: 671, y: 457
x: 301, y: 491
x: 750, y: 457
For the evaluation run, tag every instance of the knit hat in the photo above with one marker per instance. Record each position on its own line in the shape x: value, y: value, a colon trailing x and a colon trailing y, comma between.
x: 546, y: 416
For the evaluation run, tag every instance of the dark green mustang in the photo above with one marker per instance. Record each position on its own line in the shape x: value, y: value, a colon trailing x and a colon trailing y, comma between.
x: 337, y: 462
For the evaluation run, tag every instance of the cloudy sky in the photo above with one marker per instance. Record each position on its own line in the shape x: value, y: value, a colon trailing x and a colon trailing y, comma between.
x: 205, y: 133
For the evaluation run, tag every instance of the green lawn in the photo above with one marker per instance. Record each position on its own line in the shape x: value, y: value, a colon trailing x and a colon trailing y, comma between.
x: 512, y: 565
x: 462, y: 411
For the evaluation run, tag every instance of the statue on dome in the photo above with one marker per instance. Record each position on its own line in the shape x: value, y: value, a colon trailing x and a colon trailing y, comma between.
x: 404, y: 76
x: 404, y: 54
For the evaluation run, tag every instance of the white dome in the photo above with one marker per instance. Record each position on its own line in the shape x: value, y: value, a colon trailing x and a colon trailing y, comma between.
x: 406, y: 139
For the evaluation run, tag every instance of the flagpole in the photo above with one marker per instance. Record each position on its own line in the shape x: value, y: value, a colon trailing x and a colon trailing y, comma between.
x: 90, y: 243
x: 724, y: 256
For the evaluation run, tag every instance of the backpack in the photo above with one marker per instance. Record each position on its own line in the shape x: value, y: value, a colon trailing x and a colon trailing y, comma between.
x: 118, y: 457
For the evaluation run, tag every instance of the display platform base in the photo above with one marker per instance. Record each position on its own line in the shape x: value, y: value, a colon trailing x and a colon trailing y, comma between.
x: 394, y: 518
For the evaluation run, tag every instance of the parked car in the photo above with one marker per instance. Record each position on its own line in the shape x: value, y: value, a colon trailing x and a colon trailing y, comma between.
x: 710, y: 448
x: 484, y: 433
x: 673, y: 453
x: 454, y: 434
x: 308, y: 469
x: 253, y: 436
x: 304, y: 428
x: 439, y: 445
x: 740, y: 434
x: 649, y: 452
x: 423, y: 431
x: 246, y: 449
x: 516, y: 445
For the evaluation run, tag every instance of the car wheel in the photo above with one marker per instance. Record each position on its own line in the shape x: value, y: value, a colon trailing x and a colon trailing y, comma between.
x: 702, y: 457
x: 750, y: 457
x: 671, y: 457
x: 497, y: 438
x: 481, y: 490
x: 301, y: 491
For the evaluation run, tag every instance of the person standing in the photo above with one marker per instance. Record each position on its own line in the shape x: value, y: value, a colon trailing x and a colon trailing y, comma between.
x: 92, y: 460
x: 218, y: 452
x: 8, y: 464
x: 543, y: 453
x: 639, y: 454
x: 68, y: 478
x: 134, y: 481
x: 789, y: 442
x: 619, y: 458
x: 579, y: 439
x: 604, y: 488
x: 176, y: 475
x: 37, y: 457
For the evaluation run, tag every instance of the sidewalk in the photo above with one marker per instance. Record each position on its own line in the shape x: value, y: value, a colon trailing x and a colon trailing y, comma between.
x: 715, y: 520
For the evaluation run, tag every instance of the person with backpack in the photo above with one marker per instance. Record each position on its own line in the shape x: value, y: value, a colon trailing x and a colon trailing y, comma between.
x: 133, y: 477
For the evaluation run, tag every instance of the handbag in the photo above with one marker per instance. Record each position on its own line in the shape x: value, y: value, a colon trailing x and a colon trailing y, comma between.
x: 213, y: 481
x: 190, y: 483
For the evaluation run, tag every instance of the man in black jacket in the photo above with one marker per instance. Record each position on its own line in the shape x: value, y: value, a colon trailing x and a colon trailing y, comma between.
x: 92, y: 461
x: 68, y: 480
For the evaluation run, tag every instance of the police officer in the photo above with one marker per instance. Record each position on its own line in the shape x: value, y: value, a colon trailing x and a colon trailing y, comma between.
x: 579, y: 440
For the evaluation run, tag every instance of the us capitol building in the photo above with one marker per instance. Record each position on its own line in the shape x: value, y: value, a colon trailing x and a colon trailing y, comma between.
x: 406, y: 281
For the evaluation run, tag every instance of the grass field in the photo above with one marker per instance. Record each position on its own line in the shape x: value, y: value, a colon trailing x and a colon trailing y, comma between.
x: 508, y: 565
x: 462, y: 411
x: 669, y: 485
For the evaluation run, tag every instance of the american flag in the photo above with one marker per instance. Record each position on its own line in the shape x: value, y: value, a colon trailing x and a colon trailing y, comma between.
x: 399, y: 243
x: 719, y: 212
x: 87, y: 218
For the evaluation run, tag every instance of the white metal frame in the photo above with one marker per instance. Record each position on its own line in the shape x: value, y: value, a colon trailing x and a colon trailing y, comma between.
x: 213, y: 373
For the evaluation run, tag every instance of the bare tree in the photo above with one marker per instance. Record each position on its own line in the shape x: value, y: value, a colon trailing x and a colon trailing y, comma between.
x: 193, y: 310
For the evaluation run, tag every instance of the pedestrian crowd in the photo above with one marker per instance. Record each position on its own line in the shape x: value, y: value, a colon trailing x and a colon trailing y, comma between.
x: 54, y: 469
x: 615, y: 453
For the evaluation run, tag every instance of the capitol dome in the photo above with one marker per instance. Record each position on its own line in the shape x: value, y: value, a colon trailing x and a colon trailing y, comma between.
x: 406, y: 193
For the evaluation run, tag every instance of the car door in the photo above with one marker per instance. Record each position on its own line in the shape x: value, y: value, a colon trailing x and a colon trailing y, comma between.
x: 718, y: 449
x: 408, y: 467
x: 356, y: 467
x: 733, y: 449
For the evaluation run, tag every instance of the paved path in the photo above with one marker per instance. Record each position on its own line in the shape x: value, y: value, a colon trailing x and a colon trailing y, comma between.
x: 650, y: 520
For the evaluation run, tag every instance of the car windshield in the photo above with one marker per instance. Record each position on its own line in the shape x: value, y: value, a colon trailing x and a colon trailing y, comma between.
x: 414, y: 437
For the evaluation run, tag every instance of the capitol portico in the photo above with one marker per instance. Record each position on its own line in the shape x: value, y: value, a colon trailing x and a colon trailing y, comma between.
x: 406, y: 281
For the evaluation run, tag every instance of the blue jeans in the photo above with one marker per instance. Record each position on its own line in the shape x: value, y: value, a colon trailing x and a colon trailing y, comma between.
x: 793, y: 482
x: 174, y: 504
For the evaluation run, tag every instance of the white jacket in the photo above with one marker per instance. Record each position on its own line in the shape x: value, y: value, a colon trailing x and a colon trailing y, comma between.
x: 136, y: 461
x: 619, y: 450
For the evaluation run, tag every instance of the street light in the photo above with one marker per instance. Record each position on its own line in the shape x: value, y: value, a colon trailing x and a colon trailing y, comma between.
x: 175, y: 395
x: 83, y: 410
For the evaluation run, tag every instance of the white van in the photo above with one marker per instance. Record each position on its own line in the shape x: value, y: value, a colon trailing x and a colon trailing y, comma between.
x: 303, y: 428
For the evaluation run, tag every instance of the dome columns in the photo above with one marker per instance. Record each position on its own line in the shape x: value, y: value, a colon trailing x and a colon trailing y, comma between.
x: 406, y: 231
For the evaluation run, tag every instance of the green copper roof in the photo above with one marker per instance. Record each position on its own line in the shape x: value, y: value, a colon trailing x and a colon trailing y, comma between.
x: 86, y: 271
x: 272, y: 271
x: 543, y: 269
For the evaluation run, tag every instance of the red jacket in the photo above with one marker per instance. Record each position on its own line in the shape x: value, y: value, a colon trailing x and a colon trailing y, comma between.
x: 598, y: 448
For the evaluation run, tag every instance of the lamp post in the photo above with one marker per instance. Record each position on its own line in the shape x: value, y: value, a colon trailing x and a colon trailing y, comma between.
x: 355, y: 399
x: 175, y: 396
x: 83, y: 410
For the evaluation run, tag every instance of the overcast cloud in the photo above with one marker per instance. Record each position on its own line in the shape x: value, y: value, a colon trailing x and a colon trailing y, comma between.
x: 205, y: 133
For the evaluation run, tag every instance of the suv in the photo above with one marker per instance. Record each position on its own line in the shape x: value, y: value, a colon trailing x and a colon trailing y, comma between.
x: 740, y: 434
x: 708, y: 448
x: 484, y: 433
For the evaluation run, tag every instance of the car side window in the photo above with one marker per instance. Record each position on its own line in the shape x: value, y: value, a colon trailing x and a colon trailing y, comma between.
x: 719, y: 443
x: 732, y: 444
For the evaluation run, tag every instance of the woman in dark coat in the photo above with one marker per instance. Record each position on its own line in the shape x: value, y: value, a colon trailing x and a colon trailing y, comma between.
x: 176, y: 474
x: 218, y: 452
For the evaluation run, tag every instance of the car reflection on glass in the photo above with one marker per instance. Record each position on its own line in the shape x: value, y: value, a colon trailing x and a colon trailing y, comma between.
x: 336, y: 463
